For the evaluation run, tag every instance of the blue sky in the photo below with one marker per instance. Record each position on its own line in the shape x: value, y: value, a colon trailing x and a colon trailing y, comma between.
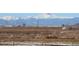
x: 34, y: 14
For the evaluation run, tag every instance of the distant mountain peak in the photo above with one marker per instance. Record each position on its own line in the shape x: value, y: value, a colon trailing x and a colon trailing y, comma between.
x: 40, y: 16
x: 51, y: 16
x: 9, y: 17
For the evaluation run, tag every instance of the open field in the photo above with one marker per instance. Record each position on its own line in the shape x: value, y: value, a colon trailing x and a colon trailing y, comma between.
x: 38, y: 36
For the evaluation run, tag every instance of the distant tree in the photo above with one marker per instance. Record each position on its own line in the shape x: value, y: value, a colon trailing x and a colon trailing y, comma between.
x: 23, y: 25
x: 63, y: 25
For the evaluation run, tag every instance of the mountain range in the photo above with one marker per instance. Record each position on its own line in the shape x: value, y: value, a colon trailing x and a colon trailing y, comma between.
x: 41, y: 20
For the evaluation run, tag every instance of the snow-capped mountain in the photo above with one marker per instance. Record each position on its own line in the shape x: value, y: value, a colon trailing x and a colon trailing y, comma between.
x: 9, y: 17
x: 41, y: 16
x: 50, y: 16
x: 45, y: 19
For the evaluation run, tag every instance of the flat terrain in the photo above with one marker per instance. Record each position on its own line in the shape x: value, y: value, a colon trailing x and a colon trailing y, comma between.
x: 38, y: 36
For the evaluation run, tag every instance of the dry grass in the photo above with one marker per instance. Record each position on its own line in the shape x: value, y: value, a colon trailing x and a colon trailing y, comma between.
x: 39, y: 35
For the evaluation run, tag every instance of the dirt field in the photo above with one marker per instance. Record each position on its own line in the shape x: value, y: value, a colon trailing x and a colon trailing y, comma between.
x: 38, y: 36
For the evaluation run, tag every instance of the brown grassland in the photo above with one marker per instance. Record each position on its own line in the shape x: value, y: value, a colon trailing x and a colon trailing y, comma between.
x: 38, y: 36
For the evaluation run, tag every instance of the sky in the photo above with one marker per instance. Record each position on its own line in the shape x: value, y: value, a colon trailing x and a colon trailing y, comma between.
x: 34, y: 14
